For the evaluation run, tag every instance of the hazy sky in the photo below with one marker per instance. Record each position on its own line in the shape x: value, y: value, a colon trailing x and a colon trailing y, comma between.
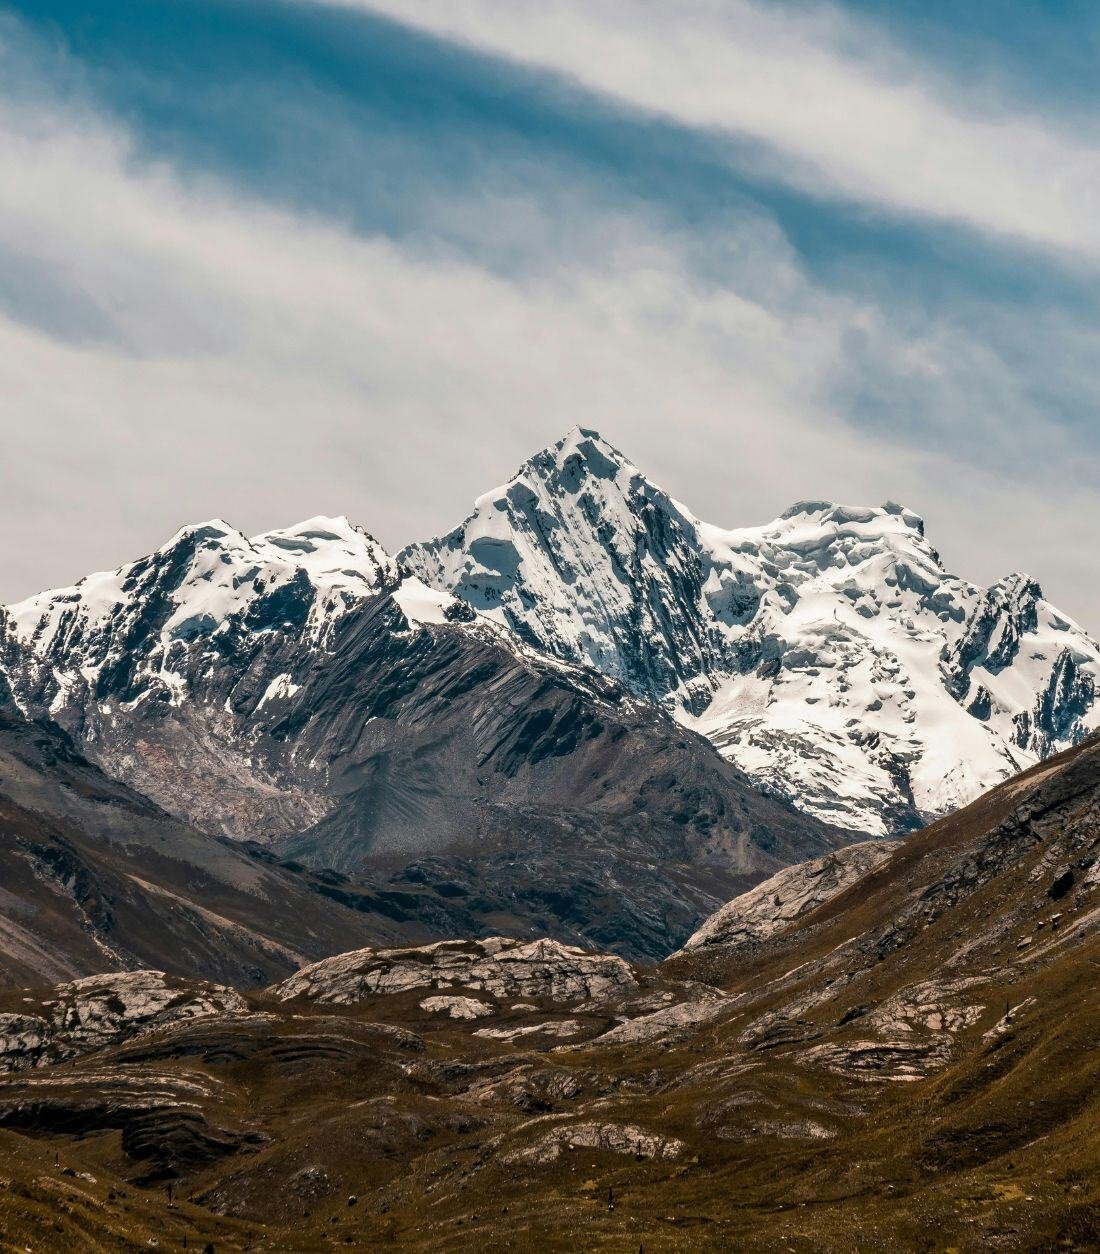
x: 263, y: 260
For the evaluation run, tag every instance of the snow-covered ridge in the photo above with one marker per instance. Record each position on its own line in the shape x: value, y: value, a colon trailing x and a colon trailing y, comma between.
x: 828, y: 652
x: 210, y: 590
x: 210, y: 573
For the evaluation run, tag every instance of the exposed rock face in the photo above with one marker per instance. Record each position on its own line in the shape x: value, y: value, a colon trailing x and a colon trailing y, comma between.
x: 100, y: 1010
x: 609, y: 1138
x: 553, y: 1027
x: 828, y: 653
x: 22, y: 1040
x: 502, y: 968
x: 913, y: 1034
x: 530, y: 1088
x: 779, y: 901
x: 675, y: 1022
x: 457, y: 1007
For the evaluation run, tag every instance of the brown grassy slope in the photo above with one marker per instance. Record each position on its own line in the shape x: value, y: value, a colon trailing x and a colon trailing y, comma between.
x: 860, y: 1089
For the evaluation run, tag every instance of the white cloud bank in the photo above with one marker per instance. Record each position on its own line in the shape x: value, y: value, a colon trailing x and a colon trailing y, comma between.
x: 253, y: 364
x: 872, y: 127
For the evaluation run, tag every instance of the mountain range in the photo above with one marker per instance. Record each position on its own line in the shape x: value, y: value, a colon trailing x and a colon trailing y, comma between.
x: 828, y: 654
x: 588, y: 877
x: 303, y: 692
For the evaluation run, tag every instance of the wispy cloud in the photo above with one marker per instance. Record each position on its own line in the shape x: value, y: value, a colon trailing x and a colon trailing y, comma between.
x: 842, y: 110
x: 242, y: 355
x: 180, y: 339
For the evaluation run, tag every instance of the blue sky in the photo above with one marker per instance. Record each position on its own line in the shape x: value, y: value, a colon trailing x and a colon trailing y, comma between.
x: 264, y: 259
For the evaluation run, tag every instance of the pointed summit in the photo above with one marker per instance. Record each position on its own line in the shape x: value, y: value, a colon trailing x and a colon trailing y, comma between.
x: 582, y: 452
x: 588, y: 442
x: 580, y: 554
x: 828, y: 653
x: 582, y: 456
x: 577, y: 435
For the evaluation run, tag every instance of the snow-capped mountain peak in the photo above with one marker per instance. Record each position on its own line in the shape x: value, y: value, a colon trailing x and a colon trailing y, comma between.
x: 828, y: 652
x: 209, y: 579
x: 564, y: 553
x: 210, y: 600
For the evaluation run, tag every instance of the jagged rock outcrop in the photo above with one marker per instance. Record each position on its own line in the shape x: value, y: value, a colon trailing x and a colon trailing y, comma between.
x: 505, y: 969
x: 611, y: 1138
x: 828, y: 652
x: 675, y: 1022
x: 457, y: 1007
x: 913, y: 1033
x: 781, y: 900
x: 518, y: 1031
x: 100, y: 1010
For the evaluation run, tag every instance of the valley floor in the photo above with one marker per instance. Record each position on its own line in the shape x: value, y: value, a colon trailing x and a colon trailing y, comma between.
x: 309, y: 1126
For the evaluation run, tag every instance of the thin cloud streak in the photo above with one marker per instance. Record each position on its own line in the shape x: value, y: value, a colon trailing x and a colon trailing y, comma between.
x: 873, y: 128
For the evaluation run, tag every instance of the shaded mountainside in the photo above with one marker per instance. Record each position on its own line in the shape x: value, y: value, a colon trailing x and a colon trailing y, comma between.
x: 97, y: 878
x: 829, y: 653
x: 911, y: 1062
x: 387, y: 734
x: 93, y: 877
x: 541, y: 803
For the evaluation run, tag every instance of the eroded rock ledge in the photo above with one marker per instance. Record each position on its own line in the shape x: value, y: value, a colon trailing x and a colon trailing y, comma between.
x: 542, y: 969
x: 100, y: 1010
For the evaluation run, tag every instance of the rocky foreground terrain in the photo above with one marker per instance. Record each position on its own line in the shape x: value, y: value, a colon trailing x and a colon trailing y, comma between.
x: 893, y: 1048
